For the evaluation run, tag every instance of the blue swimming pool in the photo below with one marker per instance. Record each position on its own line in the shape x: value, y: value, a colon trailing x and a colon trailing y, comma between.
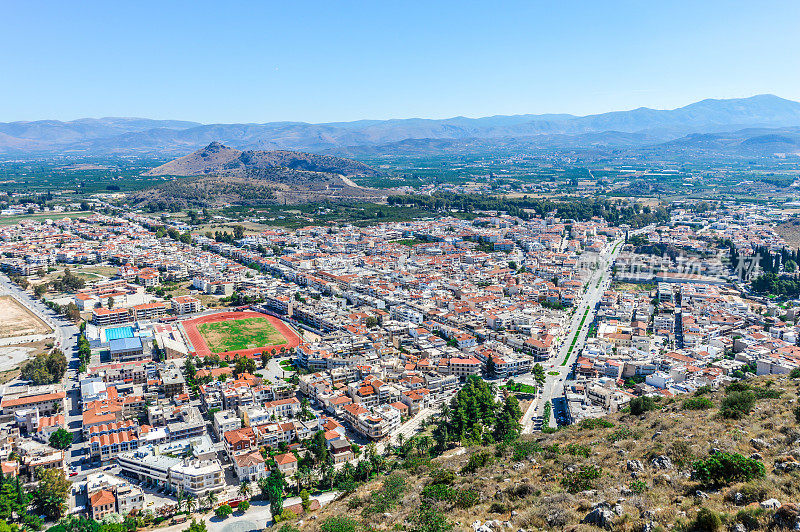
x: 119, y: 332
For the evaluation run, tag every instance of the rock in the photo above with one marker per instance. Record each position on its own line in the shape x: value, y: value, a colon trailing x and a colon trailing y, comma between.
x: 738, y: 498
x: 715, y: 450
x: 770, y: 504
x: 476, y: 524
x: 514, y: 513
x: 701, y: 494
x: 519, y: 466
x: 662, y: 462
x: 634, y: 465
x: 656, y: 434
x: 601, y: 516
x: 738, y: 527
x: 618, y: 509
x: 756, y: 456
x: 648, y: 527
x: 787, y: 516
x: 759, y: 444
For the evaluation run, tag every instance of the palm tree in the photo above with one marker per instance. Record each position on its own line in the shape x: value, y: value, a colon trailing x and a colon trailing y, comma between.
x: 211, y: 499
x: 244, y: 489
x: 191, y: 503
x: 179, y: 499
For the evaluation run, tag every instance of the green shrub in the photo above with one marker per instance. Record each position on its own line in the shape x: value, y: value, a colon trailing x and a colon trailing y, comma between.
x: 766, y: 393
x: 737, y: 405
x: 476, y: 461
x: 387, y: 496
x: 751, y: 518
x: 796, y: 411
x: 707, y: 521
x: 582, y: 479
x: 697, y: 403
x: 640, y: 405
x: 525, y: 449
x: 622, y: 433
x: 243, y: 506
x: 443, y: 476
x: 498, y: 508
x: 724, y: 468
x: 638, y: 486
x: 578, y: 450
x: 795, y: 373
x: 703, y: 390
x: 595, y: 423
x: 339, y: 523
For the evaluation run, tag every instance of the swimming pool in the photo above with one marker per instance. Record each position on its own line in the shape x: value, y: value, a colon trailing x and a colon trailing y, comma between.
x: 119, y: 332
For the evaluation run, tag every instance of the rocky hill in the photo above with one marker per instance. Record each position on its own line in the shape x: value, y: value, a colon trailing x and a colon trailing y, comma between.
x: 217, y: 159
x: 219, y: 175
x: 714, y: 460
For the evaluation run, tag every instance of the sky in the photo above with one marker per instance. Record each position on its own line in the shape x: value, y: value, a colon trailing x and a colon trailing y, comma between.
x: 263, y: 61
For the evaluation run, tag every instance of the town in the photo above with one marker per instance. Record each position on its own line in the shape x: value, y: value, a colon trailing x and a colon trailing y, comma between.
x: 189, y: 370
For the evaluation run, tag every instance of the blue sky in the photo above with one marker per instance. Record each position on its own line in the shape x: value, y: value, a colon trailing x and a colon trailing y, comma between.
x: 228, y: 61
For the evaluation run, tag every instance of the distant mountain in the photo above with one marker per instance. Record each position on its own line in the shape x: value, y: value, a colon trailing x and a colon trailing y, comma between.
x: 636, y: 127
x: 218, y: 175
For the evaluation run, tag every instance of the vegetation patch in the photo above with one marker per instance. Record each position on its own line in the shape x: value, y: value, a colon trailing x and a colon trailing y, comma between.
x: 236, y: 335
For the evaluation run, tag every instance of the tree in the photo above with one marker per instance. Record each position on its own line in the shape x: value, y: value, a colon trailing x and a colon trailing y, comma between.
x: 640, y: 405
x: 243, y: 506
x: 244, y: 364
x: 179, y: 498
x: 191, y: 503
x: 61, y: 439
x: 238, y: 232
x: 72, y: 313
x: 372, y: 322
x: 244, y: 490
x: 211, y: 499
x: 538, y: 374
x: 223, y: 511
x: 508, y: 427
x: 50, y: 497
x: 305, y: 499
x: 110, y: 302
x: 40, y: 290
x: 265, y: 357
x: 197, y: 526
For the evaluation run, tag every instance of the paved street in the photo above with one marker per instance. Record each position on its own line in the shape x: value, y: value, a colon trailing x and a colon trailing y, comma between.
x: 561, y: 364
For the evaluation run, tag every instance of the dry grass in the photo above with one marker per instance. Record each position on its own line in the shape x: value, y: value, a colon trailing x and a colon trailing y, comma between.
x: 16, y: 320
x: 532, y: 486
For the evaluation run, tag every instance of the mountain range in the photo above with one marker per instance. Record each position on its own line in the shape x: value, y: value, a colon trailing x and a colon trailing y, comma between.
x: 751, y: 117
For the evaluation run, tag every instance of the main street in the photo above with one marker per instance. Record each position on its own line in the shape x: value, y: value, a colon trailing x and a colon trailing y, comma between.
x: 557, y: 371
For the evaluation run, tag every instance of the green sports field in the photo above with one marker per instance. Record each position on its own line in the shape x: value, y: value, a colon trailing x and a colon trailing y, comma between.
x: 236, y: 335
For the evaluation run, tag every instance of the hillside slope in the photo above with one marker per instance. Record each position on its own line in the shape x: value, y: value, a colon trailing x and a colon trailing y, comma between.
x: 218, y: 175
x: 625, y: 472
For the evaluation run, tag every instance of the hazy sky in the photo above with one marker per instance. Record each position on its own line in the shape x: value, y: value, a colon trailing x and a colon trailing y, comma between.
x: 259, y: 61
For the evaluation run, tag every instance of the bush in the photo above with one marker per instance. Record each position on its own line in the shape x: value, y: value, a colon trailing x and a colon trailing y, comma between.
x: 707, y: 521
x: 581, y: 480
x: 703, y: 390
x: 443, y: 476
x: 640, y: 405
x: 223, y: 511
x: 595, y: 423
x: 476, y: 461
x: 724, y: 468
x: 339, y: 523
x: 737, y: 405
x: 243, y: 506
x: 578, y: 450
x: 796, y: 411
x: 498, y: 508
x: 795, y: 373
x: 697, y: 403
x: 622, y: 433
x: 387, y: 497
x: 638, y: 486
x: 525, y: 449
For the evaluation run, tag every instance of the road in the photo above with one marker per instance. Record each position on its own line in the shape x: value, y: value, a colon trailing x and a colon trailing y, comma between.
x: 558, y: 370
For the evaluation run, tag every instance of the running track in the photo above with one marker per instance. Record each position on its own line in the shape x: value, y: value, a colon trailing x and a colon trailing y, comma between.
x: 202, y: 349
